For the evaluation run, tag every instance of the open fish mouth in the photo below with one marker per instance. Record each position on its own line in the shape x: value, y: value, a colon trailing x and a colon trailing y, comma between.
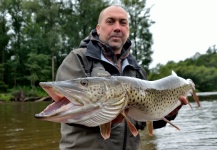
x: 69, y: 103
x: 63, y: 111
x: 54, y: 108
x: 75, y: 101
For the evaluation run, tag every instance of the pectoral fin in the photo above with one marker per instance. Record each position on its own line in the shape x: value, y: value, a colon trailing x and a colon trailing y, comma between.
x: 170, y: 123
x: 105, y: 130
x: 149, y: 126
x: 132, y: 128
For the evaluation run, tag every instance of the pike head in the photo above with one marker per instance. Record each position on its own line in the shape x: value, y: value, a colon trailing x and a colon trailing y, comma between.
x: 91, y: 101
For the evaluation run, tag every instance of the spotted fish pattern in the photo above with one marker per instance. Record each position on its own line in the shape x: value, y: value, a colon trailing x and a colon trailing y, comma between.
x: 96, y: 101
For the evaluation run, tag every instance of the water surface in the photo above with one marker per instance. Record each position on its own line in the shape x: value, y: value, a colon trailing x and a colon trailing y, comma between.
x: 21, y: 131
x: 198, y: 130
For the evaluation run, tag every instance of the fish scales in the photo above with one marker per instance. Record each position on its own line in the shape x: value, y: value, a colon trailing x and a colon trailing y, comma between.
x: 96, y: 101
x: 154, y: 100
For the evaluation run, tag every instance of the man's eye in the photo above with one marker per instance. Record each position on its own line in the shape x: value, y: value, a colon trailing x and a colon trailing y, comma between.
x: 123, y: 22
x: 110, y: 21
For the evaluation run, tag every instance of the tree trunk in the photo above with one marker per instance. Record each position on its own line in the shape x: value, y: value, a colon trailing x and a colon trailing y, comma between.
x: 3, y: 57
x: 52, y: 65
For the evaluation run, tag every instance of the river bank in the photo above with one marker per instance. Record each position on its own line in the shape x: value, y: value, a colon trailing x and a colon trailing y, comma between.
x: 205, y: 96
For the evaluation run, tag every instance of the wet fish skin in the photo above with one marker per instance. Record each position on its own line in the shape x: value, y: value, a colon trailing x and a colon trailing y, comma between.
x: 96, y: 101
x: 101, y: 100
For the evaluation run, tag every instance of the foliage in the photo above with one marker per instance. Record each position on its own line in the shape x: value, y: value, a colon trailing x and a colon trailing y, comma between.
x: 35, y: 37
x: 29, y: 91
x: 3, y: 87
x: 5, y: 97
x: 37, y: 64
x: 139, y: 31
x: 202, y: 70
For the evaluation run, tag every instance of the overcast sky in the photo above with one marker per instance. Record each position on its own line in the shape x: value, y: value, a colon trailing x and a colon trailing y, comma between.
x: 182, y: 28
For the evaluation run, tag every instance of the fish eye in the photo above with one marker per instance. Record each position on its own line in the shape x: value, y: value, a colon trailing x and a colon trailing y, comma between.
x: 84, y: 82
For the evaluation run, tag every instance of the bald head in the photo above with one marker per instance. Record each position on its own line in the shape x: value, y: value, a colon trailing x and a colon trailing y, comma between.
x: 110, y: 8
x: 113, y: 27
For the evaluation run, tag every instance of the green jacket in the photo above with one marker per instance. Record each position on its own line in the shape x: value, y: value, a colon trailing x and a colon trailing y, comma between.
x: 88, y: 60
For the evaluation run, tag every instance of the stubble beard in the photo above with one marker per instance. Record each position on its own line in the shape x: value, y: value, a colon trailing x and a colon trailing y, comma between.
x: 116, y: 46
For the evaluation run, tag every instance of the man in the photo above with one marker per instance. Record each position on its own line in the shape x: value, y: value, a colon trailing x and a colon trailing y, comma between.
x: 105, y: 52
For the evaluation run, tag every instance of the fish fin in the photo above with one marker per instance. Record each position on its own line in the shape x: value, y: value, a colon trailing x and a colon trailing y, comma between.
x: 132, y: 128
x: 174, y: 73
x: 105, y: 130
x: 195, y: 97
x: 170, y: 123
x: 149, y: 126
x: 193, y: 93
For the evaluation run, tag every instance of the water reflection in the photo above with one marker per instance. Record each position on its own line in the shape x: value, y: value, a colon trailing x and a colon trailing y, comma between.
x: 21, y: 131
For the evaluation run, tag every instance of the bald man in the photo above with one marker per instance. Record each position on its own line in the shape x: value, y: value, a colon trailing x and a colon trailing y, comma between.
x: 106, y: 51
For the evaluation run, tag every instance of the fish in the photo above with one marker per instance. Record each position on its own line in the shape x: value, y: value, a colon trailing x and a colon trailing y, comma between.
x: 96, y: 101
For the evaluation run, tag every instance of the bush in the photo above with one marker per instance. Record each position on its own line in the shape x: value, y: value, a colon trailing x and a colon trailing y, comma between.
x: 6, y: 97
x: 3, y: 87
x: 19, y: 93
x: 29, y: 92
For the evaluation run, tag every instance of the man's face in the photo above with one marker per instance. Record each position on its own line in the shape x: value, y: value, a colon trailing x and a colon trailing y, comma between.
x: 113, y: 28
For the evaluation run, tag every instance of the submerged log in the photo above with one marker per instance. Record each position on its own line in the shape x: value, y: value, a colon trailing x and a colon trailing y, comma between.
x: 31, y: 99
x: 47, y: 98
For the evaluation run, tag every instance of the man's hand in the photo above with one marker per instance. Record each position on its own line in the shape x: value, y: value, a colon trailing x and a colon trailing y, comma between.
x: 184, y: 101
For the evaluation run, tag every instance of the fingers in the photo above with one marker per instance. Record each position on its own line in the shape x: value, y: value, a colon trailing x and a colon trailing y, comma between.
x: 184, y: 100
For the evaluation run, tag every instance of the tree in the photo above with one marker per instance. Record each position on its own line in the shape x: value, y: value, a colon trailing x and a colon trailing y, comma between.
x: 80, y: 19
x: 203, y: 71
x: 37, y: 64
x: 140, y: 34
x: 4, y: 38
x: 16, y: 21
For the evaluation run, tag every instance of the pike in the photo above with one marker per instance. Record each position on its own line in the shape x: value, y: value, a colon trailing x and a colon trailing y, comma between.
x: 96, y: 101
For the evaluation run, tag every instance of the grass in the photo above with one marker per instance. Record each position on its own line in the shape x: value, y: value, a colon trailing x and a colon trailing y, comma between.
x: 6, y: 97
x: 28, y: 92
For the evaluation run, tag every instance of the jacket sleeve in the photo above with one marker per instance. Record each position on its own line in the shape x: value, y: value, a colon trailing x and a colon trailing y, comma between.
x: 70, y: 68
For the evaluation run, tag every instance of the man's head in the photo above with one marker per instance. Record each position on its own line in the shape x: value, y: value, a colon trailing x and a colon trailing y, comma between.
x: 113, y: 27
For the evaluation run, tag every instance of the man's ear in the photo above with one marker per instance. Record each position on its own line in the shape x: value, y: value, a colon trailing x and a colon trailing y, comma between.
x: 98, y: 29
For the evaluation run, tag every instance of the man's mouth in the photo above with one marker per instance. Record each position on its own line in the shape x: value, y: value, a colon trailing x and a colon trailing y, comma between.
x: 115, y: 38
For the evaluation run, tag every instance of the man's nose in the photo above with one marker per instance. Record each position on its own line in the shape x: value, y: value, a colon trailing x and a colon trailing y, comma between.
x: 117, y: 27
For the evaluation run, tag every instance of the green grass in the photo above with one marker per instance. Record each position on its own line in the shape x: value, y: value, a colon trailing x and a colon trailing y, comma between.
x: 5, y: 97
x: 28, y: 92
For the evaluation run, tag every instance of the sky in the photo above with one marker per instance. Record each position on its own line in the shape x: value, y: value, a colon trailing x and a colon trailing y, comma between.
x: 182, y: 28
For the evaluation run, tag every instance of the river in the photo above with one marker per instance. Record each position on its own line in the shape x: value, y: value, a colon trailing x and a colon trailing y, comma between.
x: 19, y: 130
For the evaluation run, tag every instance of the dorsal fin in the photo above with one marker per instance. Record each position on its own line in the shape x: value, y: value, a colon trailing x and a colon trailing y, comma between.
x: 174, y: 73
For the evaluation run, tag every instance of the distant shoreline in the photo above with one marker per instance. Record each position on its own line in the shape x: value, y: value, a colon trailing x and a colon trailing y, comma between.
x: 205, y: 96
